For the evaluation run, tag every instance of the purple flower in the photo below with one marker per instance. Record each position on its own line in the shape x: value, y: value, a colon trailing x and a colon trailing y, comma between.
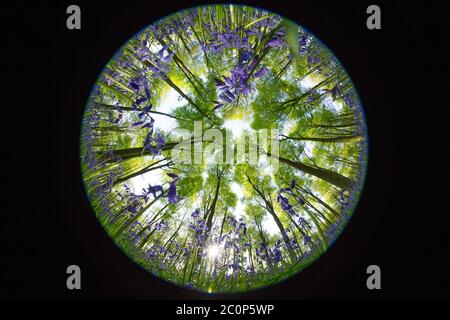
x: 148, y: 125
x: 152, y: 144
x: 126, y: 63
x: 261, y: 72
x: 348, y: 99
x: 307, y: 240
x: 275, y: 42
x: 303, y: 223
x: 161, y: 226
x: 242, y: 226
x: 261, y: 251
x: 224, y: 97
x: 172, y: 193
x: 147, y: 91
x: 142, y: 53
x: 229, y: 94
x: 138, y: 82
x: 232, y: 221
x: 154, y: 189
x: 312, y: 59
x: 301, y: 200
x: 160, y: 141
x: 151, y: 254
x: 113, y: 75
x: 284, y: 202
x: 302, y: 41
x: 293, y: 244
x: 189, y: 285
x: 276, y: 255
x: 139, y: 100
x: 196, y: 213
x: 148, y: 108
x: 245, y: 56
x: 250, y: 270
x: 335, y: 91
x: 332, y: 230
x: 235, y: 266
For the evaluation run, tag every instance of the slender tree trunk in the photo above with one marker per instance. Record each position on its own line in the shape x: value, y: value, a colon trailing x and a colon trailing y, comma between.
x: 176, y: 231
x: 324, y: 174
x: 212, y: 208
x: 348, y: 138
x: 261, y: 234
x: 223, y: 223
x: 131, y: 220
x: 271, y: 210
x: 144, y: 242
x: 148, y: 168
x: 295, y: 224
x: 293, y: 101
x: 128, y: 153
x: 326, y: 205
x: 181, y: 93
x: 108, y: 106
x: 184, y: 69
x: 152, y: 220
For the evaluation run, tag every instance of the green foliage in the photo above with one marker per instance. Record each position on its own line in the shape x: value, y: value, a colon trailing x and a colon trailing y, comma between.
x: 223, y: 227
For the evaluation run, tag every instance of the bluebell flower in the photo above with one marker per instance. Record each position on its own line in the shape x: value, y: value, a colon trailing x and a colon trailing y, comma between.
x: 232, y: 221
x: 196, y: 213
x: 189, y: 285
x: 275, y: 42
x: 261, y: 72
x: 172, y: 194
x: 348, y: 99
x: 243, y: 227
x: 307, y: 240
x: 153, y: 189
x: 161, y: 226
x: 312, y: 58
x: 303, y: 223
x: 276, y: 255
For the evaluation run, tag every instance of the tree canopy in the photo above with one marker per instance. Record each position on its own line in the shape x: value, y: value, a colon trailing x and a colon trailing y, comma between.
x: 222, y: 225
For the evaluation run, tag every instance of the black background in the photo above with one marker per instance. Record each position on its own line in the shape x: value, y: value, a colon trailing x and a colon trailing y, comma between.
x: 47, y: 223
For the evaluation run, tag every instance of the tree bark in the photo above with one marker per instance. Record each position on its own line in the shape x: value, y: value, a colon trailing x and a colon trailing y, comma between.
x: 271, y: 210
x: 348, y: 138
x: 324, y: 174
x: 129, y: 153
x: 212, y: 208
x: 148, y: 168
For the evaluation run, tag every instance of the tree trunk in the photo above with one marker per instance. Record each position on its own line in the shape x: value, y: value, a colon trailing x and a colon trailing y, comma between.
x: 324, y: 174
x: 212, y: 208
x: 112, y: 107
x: 105, y: 156
x: 223, y: 222
x: 348, y: 138
x: 320, y: 201
x: 148, y: 168
x: 271, y: 210
x: 181, y: 93
x: 131, y: 220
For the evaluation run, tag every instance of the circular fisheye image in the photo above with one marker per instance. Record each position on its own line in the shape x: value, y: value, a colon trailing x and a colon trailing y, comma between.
x: 223, y: 148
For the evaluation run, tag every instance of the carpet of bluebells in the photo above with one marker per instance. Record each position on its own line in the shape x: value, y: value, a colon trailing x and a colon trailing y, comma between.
x: 223, y: 228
